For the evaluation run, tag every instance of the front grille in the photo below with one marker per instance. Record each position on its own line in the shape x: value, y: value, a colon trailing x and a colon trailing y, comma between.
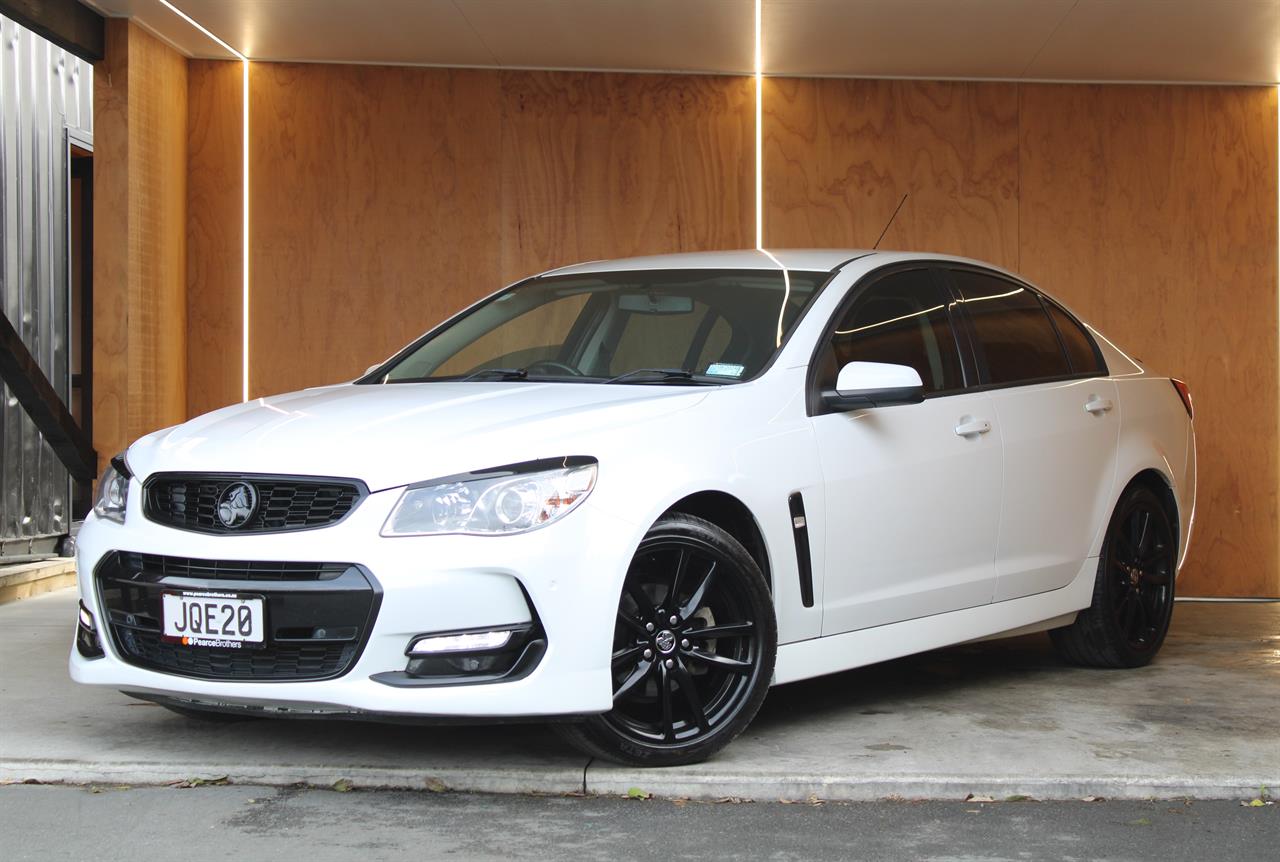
x: 272, y: 663
x: 190, y: 501
x: 187, y: 567
x: 318, y: 615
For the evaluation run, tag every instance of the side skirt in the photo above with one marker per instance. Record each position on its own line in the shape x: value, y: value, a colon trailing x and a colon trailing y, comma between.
x: 835, y: 653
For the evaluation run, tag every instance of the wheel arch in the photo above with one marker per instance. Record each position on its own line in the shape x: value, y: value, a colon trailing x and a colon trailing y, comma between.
x: 734, y: 517
x: 1160, y: 485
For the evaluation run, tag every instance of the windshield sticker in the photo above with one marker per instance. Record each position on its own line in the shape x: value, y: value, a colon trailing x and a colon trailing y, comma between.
x: 725, y: 369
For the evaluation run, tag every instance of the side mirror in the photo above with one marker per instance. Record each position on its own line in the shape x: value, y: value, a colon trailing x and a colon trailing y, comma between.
x: 861, y: 385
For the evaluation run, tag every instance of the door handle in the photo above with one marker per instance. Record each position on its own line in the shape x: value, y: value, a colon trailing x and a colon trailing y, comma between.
x: 970, y: 427
x: 1096, y: 405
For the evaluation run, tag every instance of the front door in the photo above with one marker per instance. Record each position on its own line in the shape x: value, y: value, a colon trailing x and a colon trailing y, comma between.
x: 912, y: 491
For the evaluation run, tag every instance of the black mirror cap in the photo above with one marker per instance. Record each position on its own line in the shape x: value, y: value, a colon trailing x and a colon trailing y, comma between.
x: 865, y: 399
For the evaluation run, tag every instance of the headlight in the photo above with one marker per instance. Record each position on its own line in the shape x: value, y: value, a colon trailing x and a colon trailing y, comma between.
x: 113, y: 491
x: 500, y: 501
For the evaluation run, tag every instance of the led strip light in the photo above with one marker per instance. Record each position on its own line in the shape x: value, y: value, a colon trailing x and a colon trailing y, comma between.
x: 244, y: 159
x: 786, y: 276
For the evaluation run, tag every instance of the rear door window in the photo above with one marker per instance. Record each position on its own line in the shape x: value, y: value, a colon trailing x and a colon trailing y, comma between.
x: 1080, y: 347
x: 1016, y: 341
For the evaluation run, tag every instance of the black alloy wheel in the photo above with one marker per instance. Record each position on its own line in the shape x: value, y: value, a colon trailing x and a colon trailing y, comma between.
x: 693, y: 649
x: 1133, y: 596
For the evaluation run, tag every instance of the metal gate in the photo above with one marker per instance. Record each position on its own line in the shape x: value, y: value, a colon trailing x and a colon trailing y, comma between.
x: 46, y: 101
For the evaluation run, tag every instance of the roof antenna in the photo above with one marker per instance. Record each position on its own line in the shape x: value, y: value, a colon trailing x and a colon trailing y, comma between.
x: 890, y: 224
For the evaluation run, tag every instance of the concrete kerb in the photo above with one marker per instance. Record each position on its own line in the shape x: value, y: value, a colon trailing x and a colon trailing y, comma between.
x: 685, y: 782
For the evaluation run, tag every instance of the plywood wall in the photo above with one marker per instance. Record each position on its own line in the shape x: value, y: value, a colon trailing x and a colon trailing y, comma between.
x: 140, y: 215
x: 214, y: 234
x: 602, y: 165
x: 1152, y: 212
x: 383, y: 199
x: 840, y: 155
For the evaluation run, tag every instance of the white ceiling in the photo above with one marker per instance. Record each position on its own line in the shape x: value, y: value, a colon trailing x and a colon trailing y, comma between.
x: 1226, y: 41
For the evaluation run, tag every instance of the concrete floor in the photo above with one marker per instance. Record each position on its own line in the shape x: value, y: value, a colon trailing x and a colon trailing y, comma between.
x: 1001, y: 718
x: 227, y: 823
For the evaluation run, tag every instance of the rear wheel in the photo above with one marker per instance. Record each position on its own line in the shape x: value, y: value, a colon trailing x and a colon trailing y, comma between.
x: 1133, y: 594
x: 693, y: 649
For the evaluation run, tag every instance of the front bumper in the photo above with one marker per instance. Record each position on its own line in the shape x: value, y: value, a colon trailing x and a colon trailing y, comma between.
x: 570, y: 573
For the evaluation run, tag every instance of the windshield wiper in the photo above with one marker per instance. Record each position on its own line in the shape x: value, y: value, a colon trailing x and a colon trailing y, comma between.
x: 660, y: 375
x: 504, y: 373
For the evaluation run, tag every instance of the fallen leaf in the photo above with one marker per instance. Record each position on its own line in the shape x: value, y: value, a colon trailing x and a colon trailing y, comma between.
x: 435, y: 785
x: 637, y: 793
x: 814, y: 800
x: 200, y: 782
x: 973, y: 811
x: 342, y: 785
x: 1141, y: 821
x: 1018, y: 797
x: 1093, y: 799
x: 973, y: 797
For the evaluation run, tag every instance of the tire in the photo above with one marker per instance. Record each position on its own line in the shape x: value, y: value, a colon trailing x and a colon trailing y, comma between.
x: 211, y: 716
x: 684, y: 689
x: 1133, y: 592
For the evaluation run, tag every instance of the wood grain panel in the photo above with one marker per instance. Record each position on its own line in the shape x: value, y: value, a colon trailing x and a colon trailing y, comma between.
x: 111, y: 244
x: 840, y: 154
x: 1152, y: 211
x: 374, y: 212
x: 140, y: 170
x: 608, y: 165
x: 157, y: 233
x: 214, y: 233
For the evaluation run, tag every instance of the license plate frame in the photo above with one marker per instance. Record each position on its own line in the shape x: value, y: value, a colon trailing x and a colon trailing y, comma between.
x: 213, y: 618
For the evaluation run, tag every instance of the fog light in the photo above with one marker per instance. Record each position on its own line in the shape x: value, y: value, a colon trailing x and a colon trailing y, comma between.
x: 469, y: 642
x: 87, y: 643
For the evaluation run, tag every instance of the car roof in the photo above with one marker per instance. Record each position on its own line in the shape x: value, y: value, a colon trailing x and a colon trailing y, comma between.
x: 816, y: 259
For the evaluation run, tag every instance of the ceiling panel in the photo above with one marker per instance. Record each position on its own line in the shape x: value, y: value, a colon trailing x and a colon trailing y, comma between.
x: 155, y: 17
x: 687, y: 35
x: 909, y: 38
x: 1165, y: 40
x: 1227, y: 41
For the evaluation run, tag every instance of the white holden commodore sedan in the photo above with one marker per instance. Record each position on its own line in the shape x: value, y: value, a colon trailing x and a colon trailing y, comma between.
x: 630, y: 496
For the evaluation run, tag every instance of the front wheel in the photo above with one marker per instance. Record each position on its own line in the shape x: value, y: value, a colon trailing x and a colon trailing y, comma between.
x: 1133, y: 594
x: 693, y: 649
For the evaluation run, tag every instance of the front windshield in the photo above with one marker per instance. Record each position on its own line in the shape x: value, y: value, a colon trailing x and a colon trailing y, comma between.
x: 690, y: 327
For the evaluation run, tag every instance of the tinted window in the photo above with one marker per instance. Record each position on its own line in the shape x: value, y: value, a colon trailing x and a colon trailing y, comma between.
x: 1014, y: 334
x: 1084, y: 359
x: 902, y: 319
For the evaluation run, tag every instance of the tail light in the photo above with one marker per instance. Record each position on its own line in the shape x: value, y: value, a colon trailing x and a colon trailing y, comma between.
x: 1185, y: 394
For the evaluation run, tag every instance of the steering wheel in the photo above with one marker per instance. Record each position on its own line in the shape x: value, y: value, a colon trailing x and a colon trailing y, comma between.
x: 552, y: 363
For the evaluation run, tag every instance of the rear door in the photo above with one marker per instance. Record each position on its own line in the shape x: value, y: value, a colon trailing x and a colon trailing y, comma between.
x: 1059, y: 424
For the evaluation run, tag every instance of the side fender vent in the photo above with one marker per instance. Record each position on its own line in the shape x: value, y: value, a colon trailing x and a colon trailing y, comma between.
x: 800, y: 532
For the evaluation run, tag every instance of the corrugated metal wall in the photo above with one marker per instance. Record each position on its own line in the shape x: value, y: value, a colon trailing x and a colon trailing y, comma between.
x: 43, y: 92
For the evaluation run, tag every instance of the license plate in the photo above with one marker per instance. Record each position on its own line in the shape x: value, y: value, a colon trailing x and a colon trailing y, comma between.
x: 213, y: 619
